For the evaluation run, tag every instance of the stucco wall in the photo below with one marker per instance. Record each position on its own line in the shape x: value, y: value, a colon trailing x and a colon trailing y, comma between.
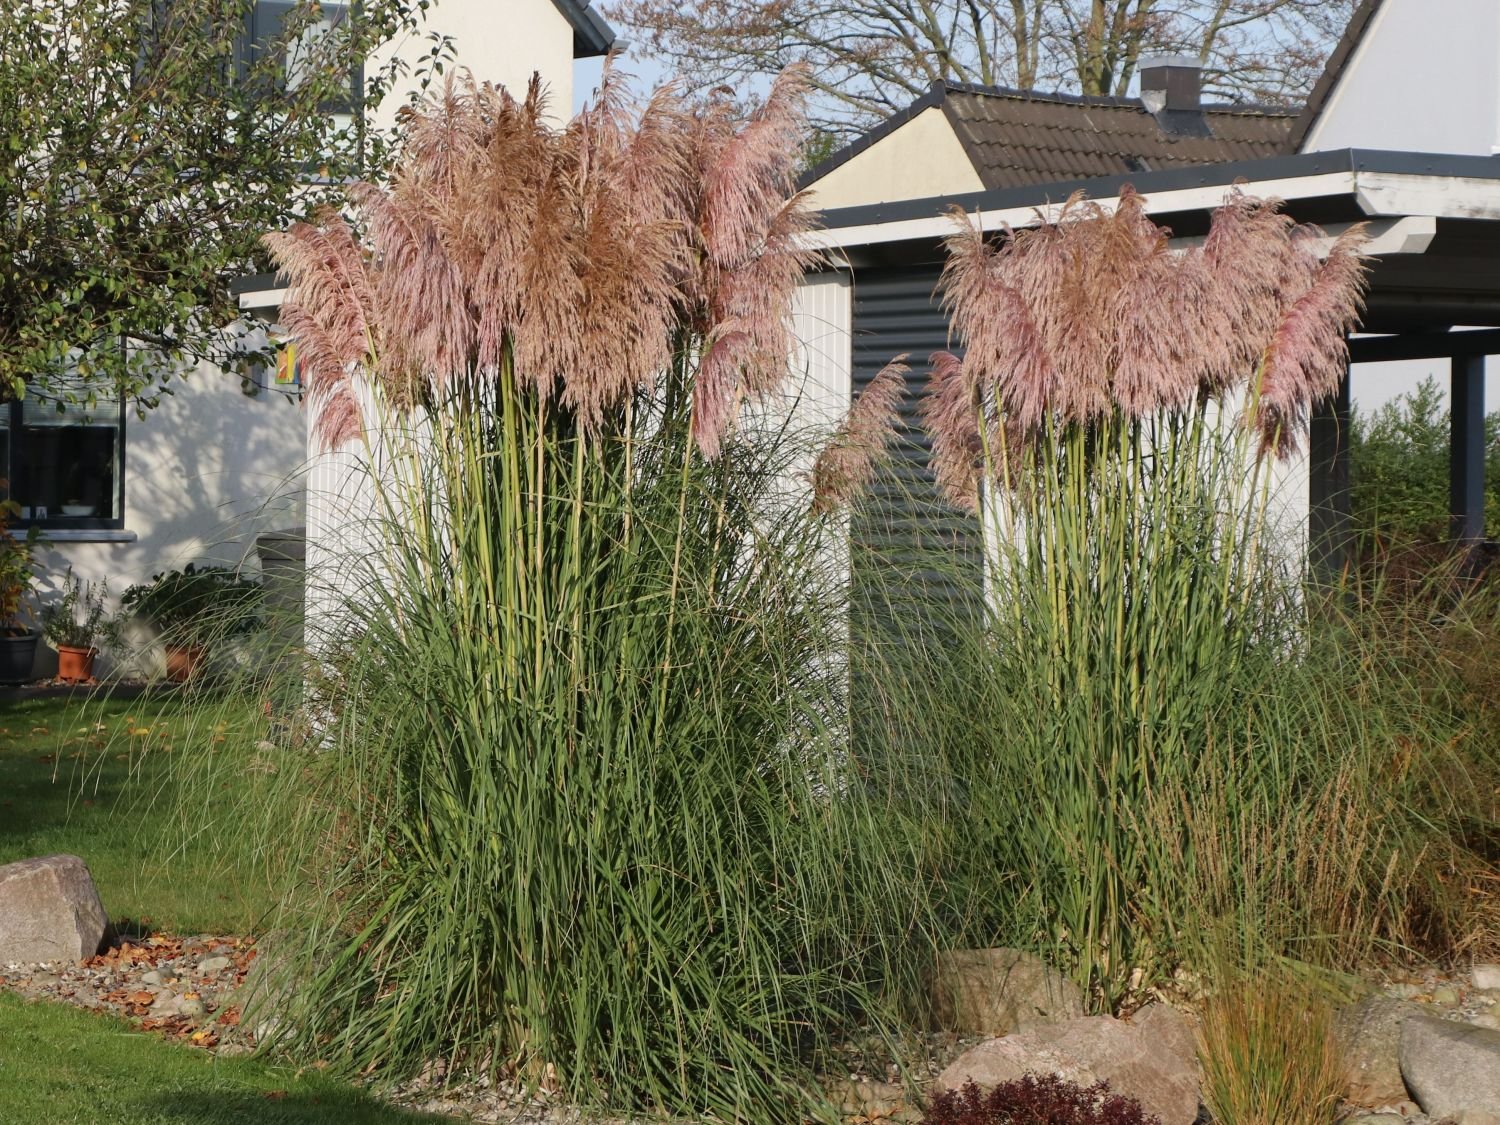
x: 205, y: 472
x: 1425, y: 78
x: 500, y: 41
x: 921, y: 159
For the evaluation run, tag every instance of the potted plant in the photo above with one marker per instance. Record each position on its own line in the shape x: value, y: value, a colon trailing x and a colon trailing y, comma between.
x: 17, y: 573
x: 76, y: 625
x: 193, y: 607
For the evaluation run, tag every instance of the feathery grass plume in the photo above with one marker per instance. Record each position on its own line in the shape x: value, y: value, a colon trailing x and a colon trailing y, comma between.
x: 1309, y: 352
x: 1090, y: 312
x: 950, y: 410
x: 590, y: 255
x: 846, y: 465
x: 330, y: 311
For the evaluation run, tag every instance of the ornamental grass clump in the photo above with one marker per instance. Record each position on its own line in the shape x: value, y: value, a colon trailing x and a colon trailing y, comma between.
x: 1115, y: 419
x: 581, y: 813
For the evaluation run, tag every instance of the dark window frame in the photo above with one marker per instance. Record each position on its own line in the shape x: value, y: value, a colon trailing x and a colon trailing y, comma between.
x: 250, y: 45
x: 17, y: 473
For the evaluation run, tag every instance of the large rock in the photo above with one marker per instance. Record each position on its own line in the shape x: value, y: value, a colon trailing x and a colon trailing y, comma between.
x: 1451, y: 1067
x: 49, y: 911
x: 997, y: 991
x: 1138, y: 1061
x: 1369, y: 1035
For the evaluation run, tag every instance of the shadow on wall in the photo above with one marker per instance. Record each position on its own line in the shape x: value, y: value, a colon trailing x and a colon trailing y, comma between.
x: 205, y: 473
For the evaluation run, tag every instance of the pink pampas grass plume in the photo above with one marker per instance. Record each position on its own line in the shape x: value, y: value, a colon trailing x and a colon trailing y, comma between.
x: 846, y: 465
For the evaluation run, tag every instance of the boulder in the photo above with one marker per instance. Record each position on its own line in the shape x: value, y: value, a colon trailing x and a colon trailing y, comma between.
x: 1369, y: 1035
x: 997, y: 991
x: 1451, y: 1067
x: 1137, y: 1061
x: 1487, y: 977
x: 49, y: 911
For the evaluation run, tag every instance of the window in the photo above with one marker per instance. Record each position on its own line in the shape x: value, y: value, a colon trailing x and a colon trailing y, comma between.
x: 63, y: 458
x: 267, y: 27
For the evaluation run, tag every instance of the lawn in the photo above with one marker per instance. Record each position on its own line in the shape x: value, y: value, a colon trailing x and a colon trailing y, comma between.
x: 105, y: 780
x: 60, y: 1065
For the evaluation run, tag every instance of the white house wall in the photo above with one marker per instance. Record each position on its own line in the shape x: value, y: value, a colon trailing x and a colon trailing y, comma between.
x: 1425, y: 77
x: 205, y: 472
x: 922, y: 159
x: 500, y: 41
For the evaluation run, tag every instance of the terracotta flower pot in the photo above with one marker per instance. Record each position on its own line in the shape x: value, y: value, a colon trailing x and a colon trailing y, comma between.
x: 75, y: 665
x: 183, y: 662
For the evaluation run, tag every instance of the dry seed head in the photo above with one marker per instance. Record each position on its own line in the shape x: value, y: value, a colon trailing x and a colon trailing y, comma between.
x: 588, y: 256
x: 846, y: 465
x: 1089, y: 313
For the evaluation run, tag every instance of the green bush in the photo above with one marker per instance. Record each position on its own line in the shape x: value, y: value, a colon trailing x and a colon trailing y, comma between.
x: 1398, y: 469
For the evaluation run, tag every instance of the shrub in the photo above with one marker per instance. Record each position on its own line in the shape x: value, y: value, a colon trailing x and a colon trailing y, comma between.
x: 1037, y: 1099
x: 62, y: 623
x: 1268, y: 1054
x: 196, y: 604
x: 583, y: 814
x: 1134, y: 608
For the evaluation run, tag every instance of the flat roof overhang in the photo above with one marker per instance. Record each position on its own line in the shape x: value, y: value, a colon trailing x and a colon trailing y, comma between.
x: 1434, y: 222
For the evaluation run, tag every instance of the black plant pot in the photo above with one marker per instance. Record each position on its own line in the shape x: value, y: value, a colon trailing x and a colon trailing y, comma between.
x: 17, y: 655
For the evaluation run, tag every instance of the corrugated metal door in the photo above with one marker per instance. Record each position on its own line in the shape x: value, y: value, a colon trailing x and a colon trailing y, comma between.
x: 916, y: 559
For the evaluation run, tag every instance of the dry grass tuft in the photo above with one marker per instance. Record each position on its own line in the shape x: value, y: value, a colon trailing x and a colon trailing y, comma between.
x: 1268, y: 1055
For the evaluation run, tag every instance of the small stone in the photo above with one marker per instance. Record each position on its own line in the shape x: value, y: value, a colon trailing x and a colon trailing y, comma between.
x: 151, y: 978
x: 211, y: 965
x: 1487, y: 976
x: 1445, y: 995
x: 191, y: 1006
x: 1404, y: 991
x: 1369, y: 1035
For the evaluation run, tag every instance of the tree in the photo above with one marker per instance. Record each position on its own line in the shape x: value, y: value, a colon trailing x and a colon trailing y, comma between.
x: 871, y: 57
x: 145, y: 146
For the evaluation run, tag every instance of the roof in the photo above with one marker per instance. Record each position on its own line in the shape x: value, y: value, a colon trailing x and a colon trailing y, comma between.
x: 1015, y: 138
x: 1317, y: 101
x: 1019, y: 137
x: 591, y: 35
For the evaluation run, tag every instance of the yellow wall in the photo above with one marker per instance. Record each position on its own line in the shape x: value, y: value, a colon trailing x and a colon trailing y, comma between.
x: 921, y: 159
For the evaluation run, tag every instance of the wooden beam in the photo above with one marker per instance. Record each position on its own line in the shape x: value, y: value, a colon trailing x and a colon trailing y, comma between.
x: 1425, y: 345
x: 1466, y: 450
x: 1328, y: 486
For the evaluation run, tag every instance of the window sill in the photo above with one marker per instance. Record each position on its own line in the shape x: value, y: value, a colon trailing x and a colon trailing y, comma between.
x: 88, y: 535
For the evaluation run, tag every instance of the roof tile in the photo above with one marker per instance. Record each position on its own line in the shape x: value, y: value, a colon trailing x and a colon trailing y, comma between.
x: 1016, y: 138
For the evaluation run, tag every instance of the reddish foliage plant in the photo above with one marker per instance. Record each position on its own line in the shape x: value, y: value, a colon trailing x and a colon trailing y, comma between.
x: 1037, y: 1099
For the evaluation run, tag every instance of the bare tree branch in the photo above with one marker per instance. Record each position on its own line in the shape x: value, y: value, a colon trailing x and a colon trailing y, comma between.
x: 870, y: 57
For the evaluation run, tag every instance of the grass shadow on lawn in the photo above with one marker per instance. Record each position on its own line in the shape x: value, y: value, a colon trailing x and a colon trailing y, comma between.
x: 62, y: 1065
x: 101, y: 778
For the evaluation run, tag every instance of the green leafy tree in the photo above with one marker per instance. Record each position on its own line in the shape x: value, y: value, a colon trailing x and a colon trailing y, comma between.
x: 1399, y: 468
x: 145, y: 146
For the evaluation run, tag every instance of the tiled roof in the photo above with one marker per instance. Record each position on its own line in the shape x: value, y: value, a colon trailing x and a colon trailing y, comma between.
x: 1015, y: 138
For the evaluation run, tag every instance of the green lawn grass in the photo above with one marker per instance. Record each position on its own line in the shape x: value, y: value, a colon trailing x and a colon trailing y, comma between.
x: 105, y: 780
x: 128, y: 786
x: 60, y: 1065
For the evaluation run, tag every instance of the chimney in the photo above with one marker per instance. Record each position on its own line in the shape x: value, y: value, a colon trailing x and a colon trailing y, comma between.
x: 1172, y: 91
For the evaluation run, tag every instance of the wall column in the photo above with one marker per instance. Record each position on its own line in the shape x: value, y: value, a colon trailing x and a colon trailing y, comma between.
x: 1466, y: 451
x: 1328, y: 485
